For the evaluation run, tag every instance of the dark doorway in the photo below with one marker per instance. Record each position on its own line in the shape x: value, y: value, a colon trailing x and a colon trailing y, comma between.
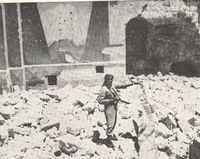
x: 184, y: 69
x: 52, y: 80
x: 136, y: 41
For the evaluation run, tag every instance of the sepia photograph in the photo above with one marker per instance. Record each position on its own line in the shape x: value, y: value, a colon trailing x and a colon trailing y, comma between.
x: 100, y: 79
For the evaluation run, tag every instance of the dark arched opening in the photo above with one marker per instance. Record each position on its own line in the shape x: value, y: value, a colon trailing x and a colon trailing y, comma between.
x: 184, y: 69
x: 136, y: 42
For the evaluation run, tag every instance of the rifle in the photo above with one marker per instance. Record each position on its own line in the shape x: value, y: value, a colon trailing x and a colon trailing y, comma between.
x: 118, y: 97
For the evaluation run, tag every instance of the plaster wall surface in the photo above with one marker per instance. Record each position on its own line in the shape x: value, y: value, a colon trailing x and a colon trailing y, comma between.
x: 68, y: 20
x: 75, y: 73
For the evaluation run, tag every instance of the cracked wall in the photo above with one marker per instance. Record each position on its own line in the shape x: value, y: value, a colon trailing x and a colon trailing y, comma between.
x: 173, y: 34
x: 65, y: 27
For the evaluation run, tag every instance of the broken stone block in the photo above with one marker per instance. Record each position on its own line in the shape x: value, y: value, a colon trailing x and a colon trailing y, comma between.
x: 195, y: 85
x: 11, y: 133
x: 53, y: 133
x: 42, y: 120
x: 45, y: 99
x: 197, y: 122
x: 197, y: 111
x: 185, y: 126
x: 172, y: 138
x: 162, y: 130
x: 163, y: 155
x: 100, y: 124
x: 73, y: 132
x: 78, y: 103
x: 95, y: 136
x: 124, y: 116
x: 166, y: 150
x: 3, y: 131
x: 28, y: 124
x: 84, y: 134
x: 169, y: 122
x: 179, y: 149
x: 6, y: 103
x: 192, y: 121
x: 13, y: 102
x: 1, y: 120
x: 159, y: 74
x: 67, y: 148
x: 58, y: 153
x: 185, y: 115
x: 50, y: 126
x: 54, y: 97
x: 2, y: 140
x: 5, y: 116
x: 182, y: 137
x: 90, y: 110
x: 90, y: 154
x: 22, y: 131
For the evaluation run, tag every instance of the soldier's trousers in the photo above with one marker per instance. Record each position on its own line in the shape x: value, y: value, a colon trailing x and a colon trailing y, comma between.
x: 111, y: 118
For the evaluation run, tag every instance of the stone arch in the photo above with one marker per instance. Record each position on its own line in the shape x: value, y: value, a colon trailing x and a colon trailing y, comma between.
x: 136, y: 42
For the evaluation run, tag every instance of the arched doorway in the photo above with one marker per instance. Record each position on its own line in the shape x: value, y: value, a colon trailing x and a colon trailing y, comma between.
x: 136, y: 41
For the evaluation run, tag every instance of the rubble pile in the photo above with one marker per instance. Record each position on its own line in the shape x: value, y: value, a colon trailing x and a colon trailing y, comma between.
x: 161, y: 121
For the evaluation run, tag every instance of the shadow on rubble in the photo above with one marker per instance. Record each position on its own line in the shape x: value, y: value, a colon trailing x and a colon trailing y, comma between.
x: 99, y: 141
x: 128, y: 135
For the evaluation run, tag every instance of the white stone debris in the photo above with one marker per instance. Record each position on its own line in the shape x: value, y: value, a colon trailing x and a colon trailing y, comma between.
x: 61, y: 122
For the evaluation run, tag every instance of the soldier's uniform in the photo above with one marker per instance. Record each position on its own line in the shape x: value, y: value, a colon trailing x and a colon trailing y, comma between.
x: 106, y: 97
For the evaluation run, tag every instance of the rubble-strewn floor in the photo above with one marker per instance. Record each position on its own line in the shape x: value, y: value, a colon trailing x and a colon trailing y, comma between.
x: 65, y: 123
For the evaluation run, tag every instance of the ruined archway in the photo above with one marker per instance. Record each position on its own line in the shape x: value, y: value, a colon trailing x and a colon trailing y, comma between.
x: 136, y: 42
x: 184, y: 68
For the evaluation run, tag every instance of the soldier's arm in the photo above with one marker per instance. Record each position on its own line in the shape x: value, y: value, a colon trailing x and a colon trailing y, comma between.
x: 123, y: 85
x: 127, y: 84
x: 101, y: 98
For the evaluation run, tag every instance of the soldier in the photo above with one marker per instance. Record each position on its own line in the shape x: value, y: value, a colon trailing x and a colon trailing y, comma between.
x: 109, y: 98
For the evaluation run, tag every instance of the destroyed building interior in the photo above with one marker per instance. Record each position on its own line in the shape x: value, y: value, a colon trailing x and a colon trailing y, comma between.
x: 53, y: 59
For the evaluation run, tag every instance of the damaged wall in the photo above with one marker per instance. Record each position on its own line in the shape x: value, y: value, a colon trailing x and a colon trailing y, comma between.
x: 67, y: 32
x: 12, y: 35
x: 74, y: 74
x: 2, y: 56
x: 176, y: 42
x: 173, y: 35
x: 35, y: 48
x: 78, y: 30
x: 98, y: 32
x: 65, y: 27
x: 69, y: 20
x: 34, y: 42
x: 156, y: 12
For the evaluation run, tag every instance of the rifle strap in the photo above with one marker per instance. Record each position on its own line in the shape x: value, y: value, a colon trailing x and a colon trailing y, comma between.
x: 115, y: 93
